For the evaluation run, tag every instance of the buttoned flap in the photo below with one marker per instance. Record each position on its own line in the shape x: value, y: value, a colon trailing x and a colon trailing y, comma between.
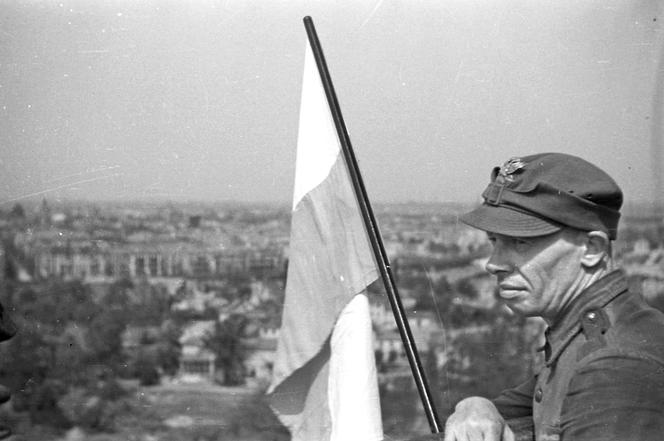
x: 594, y: 324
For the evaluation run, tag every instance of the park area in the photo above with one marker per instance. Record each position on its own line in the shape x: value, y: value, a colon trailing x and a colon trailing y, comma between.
x: 171, y: 413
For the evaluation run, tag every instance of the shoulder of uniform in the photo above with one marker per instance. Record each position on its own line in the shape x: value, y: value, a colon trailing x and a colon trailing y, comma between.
x: 594, y: 325
x: 634, y: 328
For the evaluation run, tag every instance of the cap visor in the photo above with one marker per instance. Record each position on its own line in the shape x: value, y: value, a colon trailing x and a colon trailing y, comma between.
x: 502, y: 220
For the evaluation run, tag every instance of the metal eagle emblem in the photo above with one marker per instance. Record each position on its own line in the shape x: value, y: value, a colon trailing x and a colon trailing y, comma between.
x: 510, y: 167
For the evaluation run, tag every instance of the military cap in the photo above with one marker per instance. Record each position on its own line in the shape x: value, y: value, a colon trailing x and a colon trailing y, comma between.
x: 540, y: 194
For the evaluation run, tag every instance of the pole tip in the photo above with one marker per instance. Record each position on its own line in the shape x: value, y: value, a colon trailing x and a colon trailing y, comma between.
x: 307, y: 19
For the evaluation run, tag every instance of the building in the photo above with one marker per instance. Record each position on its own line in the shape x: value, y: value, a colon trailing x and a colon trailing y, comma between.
x: 102, y: 261
x: 197, y: 363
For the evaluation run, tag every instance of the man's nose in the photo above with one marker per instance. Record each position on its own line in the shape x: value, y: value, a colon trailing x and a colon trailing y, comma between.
x: 498, y: 261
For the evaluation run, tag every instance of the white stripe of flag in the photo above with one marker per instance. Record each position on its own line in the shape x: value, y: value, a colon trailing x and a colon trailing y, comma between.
x: 324, y: 382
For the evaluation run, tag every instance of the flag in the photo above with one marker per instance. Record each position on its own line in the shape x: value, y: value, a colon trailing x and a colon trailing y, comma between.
x: 324, y: 378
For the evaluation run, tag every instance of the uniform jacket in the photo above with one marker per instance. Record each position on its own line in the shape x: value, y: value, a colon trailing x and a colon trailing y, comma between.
x: 603, y: 376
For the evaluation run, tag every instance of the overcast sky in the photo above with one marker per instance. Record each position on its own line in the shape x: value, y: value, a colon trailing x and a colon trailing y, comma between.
x: 200, y: 99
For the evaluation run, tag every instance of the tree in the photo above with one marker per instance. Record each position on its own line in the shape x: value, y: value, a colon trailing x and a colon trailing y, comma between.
x: 63, y: 335
x: 168, y: 348
x: 150, y: 304
x: 105, y: 338
x: 27, y: 366
x: 466, y: 288
x: 437, y: 297
x: 146, y: 367
x: 17, y: 212
x: 487, y: 362
x: 226, y: 343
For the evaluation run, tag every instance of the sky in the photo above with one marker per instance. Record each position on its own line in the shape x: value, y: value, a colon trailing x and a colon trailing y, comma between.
x: 199, y: 100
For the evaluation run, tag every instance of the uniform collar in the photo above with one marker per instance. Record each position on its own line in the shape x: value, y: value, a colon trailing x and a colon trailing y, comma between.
x: 593, y: 298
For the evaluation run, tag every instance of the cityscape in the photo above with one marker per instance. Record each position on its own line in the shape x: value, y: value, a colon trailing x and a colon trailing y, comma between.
x: 159, y: 321
x: 138, y: 312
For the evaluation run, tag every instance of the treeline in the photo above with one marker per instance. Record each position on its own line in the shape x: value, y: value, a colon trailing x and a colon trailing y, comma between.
x: 65, y: 363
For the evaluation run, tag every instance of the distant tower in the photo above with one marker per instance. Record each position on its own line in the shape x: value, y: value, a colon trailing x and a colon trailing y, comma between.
x: 194, y: 221
x: 45, y: 214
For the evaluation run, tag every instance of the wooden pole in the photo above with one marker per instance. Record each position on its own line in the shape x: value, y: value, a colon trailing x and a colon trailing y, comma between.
x: 373, y: 232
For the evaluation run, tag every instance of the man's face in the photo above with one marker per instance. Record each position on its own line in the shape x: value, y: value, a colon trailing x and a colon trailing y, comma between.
x: 537, y: 276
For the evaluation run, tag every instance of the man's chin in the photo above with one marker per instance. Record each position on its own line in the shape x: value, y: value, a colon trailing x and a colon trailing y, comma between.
x: 518, y: 308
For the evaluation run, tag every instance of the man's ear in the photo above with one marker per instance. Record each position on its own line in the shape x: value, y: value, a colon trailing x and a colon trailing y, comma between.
x: 597, y: 249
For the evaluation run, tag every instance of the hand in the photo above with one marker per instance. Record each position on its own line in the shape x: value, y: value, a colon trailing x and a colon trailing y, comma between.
x: 477, y: 419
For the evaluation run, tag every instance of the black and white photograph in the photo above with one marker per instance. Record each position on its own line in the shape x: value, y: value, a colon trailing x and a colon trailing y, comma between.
x: 331, y: 220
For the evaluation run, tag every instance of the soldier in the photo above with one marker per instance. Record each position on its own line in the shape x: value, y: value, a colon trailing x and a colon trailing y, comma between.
x: 551, y: 219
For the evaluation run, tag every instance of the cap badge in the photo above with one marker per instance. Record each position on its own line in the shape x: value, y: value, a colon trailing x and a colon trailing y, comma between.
x: 510, y: 167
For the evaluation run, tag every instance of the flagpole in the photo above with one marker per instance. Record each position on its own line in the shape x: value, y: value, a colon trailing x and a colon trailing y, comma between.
x: 373, y: 232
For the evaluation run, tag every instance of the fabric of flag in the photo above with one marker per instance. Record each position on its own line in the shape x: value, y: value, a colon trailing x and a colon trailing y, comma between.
x: 324, y: 380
